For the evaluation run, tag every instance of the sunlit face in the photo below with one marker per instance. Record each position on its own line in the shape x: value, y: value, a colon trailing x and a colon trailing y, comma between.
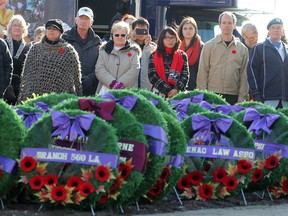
x: 226, y: 25
x: 3, y: 4
x: 38, y: 38
x: 250, y: 37
x: 119, y: 37
x: 16, y: 29
x: 83, y: 22
x: 52, y: 33
x: 276, y: 31
x: 169, y: 40
x: 188, y: 31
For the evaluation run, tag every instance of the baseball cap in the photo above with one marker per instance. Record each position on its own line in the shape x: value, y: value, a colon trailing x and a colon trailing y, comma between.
x: 85, y: 11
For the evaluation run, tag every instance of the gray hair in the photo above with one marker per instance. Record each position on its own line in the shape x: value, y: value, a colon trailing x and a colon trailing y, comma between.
x: 247, y: 25
x: 21, y: 21
x: 121, y: 25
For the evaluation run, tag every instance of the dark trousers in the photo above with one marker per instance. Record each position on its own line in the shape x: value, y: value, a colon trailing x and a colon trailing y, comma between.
x: 231, y: 99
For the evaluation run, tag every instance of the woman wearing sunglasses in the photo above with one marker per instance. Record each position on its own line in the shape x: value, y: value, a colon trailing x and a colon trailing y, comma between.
x: 118, y: 62
x: 168, y: 67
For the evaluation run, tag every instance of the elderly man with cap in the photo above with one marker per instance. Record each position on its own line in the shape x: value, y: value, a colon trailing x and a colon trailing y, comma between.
x: 267, y: 70
x: 87, y: 44
x: 51, y: 66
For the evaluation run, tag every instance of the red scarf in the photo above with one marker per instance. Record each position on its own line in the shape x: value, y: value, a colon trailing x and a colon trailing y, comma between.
x: 177, y: 63
x: 193, y: 52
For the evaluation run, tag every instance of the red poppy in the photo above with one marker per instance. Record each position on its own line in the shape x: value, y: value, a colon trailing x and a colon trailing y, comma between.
x: 157, y: 188
x: 59, y: 193
x: 118, y: 182
x: 36, y: 182
x: 103, y: 199
x: 230, y: 183
x: 129, y: 54
x: 74, y: 181
x: 50, y: 180
x: 271, y: 162
x: 206, y: 167
x: 233, y: 51
x: 86, y: 188
x: 244, y: 166
x: 61, y: 50
x: 1, y: 173
x: 195, y: 177
x: 165, y: 173
x: 27, y: 164
x: 257, y: 175
x: 183, y: 183
x: 102, y: 173
x: 219, y: 174
x: 205, y: 191
x: 285, y: 185
x: 125, y: 170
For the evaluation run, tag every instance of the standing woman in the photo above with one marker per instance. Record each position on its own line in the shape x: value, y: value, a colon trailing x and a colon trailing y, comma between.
x: 52, y: 65
x: 118, y: 62
x: 168, y: 67
x: 190, y: 43
x: 17, y: 30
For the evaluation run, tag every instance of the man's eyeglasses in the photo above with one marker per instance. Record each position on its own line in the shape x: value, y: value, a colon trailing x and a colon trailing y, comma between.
x: 118, y: 35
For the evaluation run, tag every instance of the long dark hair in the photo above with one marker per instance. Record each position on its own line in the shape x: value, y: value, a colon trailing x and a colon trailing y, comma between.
x: 188, y: 20
x: 160, y: 44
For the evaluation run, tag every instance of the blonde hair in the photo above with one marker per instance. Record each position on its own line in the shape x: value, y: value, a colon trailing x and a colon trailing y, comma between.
x: 247, y: 25
x: 21, y: 21
x: 121, y: 25
x: 40, y: 30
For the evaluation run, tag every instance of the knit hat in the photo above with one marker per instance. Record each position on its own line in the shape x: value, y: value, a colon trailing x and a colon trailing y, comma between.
x: 57, y: 23
x: 85, y: 11
x: 274, y: 21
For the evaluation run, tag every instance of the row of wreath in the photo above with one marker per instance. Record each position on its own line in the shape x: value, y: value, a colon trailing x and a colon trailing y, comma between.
x: 129, y: 145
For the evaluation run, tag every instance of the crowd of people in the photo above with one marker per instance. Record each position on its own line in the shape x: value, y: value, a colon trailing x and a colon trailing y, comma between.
x: 78, y: 61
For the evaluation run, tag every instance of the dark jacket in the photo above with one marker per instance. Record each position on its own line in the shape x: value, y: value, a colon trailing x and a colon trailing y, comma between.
x: 267, y: 74
x: 88, y: 52
x: 6, y: 67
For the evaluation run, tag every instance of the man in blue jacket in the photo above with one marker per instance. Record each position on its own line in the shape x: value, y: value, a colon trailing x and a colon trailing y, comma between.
x: 267, y: 70
x: 87, y: 44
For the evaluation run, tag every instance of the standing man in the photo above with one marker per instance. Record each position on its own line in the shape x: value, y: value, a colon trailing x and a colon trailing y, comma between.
x: 86, y: 43
x: 223, y: 63
x: 268, y: 68
x: 140, y: 33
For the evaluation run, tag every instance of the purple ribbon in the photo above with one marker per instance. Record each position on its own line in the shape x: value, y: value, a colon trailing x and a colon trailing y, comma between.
x: 43, y: 106
x: 153, y: 101
x: 70, y: 156
x: 29, y: 118
x: 236, y: 108
x: 197, y: 98
x: 175, y: 160
x: 181, y: 106
x: 259, y: 121
x: 270, y: 148
x: 127, y: 102
x: 62, y: 123
x: 157, y: 147
x: 224, y: 109
x: 103, y: 109
x: 204, y: 127
x: 7, y: 164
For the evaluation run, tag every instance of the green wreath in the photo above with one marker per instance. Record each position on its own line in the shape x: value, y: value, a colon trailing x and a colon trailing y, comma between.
x: 208, y: 178
x: 146, y: 113
x: 101, y: 137
x: 264, y: 177
x: 127, y: 128
x: 11, y: 140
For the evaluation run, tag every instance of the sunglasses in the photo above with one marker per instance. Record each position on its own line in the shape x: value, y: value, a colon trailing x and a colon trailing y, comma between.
x: 118, y: 35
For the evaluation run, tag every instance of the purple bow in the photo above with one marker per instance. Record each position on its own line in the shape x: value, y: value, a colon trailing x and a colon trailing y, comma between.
x: 204, y: 127
x: 43, y: 106
x: 103, y: 109
x: 197, y: 98
x: 224, y: 109
x: 62, y: 123
x: 127, y: 102
x: 29, y: 118
x: 153, y: 101
x: 181, y: 106
x: 236, y: 108
x: 259, y: 121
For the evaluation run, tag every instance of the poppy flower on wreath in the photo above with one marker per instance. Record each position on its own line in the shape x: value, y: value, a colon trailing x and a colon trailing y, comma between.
x: 284, y: 184
x: 61, y: 51
x: 230, y: 183
x: 36, y: 182
x: 60, y: 194
x: 103, y: 199
x: 1, y: 173
x: 28, y: 163
x: 50, y: 179
x: 86, y: 188
x: 205, y: 192
x: 244, y: 166
x: 125, y: 169
x: 195, y: 177
x: 157, y: 188
x: 271, y: 162
x: 74, y: 181
x: 183, y: 183
x: 165, y: 173
x: 102, y: 173
x: 257, y: 175
x: 234, y: 52
x: 219, y: 175
x: 118, y: 182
